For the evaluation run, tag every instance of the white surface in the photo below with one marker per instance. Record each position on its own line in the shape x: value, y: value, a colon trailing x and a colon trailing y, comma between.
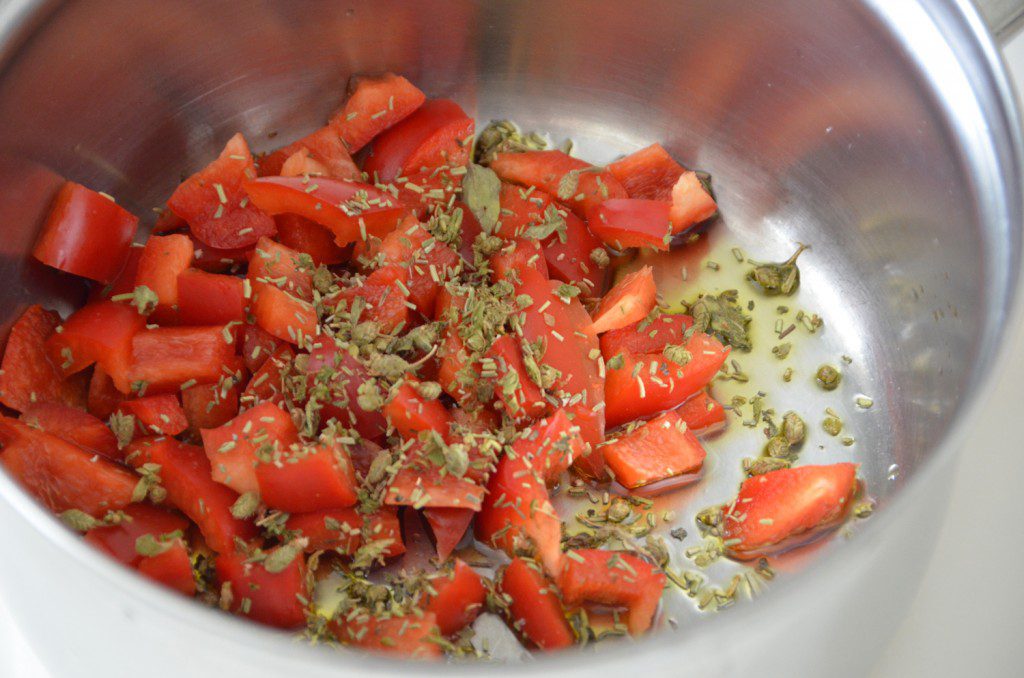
x: 969, y: 613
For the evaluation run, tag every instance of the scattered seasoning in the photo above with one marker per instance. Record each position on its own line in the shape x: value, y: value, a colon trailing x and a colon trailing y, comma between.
x: 828, y: 377
x: 782, y: 278
x: 864, y: 402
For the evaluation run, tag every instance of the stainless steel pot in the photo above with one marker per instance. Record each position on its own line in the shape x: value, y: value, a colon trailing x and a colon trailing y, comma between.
x: 882, y: 131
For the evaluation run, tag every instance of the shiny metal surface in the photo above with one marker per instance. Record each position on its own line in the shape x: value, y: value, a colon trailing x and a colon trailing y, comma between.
x: 883, y: 133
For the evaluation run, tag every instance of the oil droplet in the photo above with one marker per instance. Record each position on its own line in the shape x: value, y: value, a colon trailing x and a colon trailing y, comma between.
x: 894, y: 472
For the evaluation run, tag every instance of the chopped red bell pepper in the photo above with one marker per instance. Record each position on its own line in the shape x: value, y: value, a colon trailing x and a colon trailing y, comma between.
x: 701, y: 411
x: 172, y: 568
x: 429, y: 261
x: 186, y: 475
x: 648, y: 174
x: 236, y: 448
x: 579, y: 184
x: 165, y: 358
x: 274, y: 264
x: 422, y: 482
x: 210, y: 298
x: 325, y: 146
x: 102, y: 332
x: 257, y: 346
x: 163, y: 259
x: 167, y: 222
x: 125, y: 280
x: 308, y: 478
x: 517, y: 509
x: 411, y: 414
x: 656, y: 451
x: 424, y: 191
x: 633, y: 392
x: 458, y: 598
x: 75, y: 426
x: 628, y: 302
x: 626, y: 222
x: 214, y: 202
x: 448, y: 526
x: 27, y: 374
x: 274, y: 598
x: 386, y: 294
x: 781, y: 509
x: 352, y: 211
x: 406, y: 636
x: 438, y: 133
x: 283, y: 316
x: 120, y: 540
x: 209, y: 405
x: 691, y: 203
x: 103, y: 397
x: 86, y: 233
x: 344, y: 530
x: 534, y: 608
x: 551, y: 445
x: 216, y: 260
x: 159, y: 414
x: 306, y: 236
x: 61, y: 475
x: 374, y: 104
x: 646, y: 337
x: 613, y: 578
x: 343, y: 374
x: 267, y: 383
x: 521, y: 398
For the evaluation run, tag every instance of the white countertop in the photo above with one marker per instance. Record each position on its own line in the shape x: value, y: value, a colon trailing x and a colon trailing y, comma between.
x: 960, y: 624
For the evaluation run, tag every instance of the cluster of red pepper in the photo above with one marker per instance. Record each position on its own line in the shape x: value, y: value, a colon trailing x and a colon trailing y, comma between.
x: 195, y: 358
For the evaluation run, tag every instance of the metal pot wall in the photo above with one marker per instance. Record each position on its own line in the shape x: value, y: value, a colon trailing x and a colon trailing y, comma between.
x: 884, y: 132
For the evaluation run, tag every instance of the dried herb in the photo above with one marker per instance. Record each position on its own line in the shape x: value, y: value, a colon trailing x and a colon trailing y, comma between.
x: 245, y: 506
x: 502, y: 136
x: 480, y: 191
x: 721, y: 316
x: 828, y: 377
x: 782, y: 278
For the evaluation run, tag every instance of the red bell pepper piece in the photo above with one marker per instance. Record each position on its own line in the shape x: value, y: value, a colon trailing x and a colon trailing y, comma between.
x: 701, y: 411
x: 167, y: 222
x: 344, y: 530
x: 458, y: 599
x: 267, y: 383
x: 406, y: 636
x: 274, y: 264
x: 352, y: 211
x: 374, y: 104
x: 102, y: 332
x: 257, y: 346
x: 386, y: 294
x: 614, y: 578
x: 579, y: 184
x: 86, y: 233
x: 103, y: 397
x: 551, y: 445
x: 411, y: 414
x: 308, y: 478
x: 567, y: 252
x: 186, y: 475
x: 420, y: 482
x: 471, y: 228
x: 27, y: 374
x: 209, y: 405
x: 448, y: 525
x: 691, y: 203
x: 656, y: 451
x: 172, y: 568
x: 125, y: 280
x: 535, y: 610
x: 237, y: 447
x: 632, y: 392
x: 517, y: 509
x: 306, y: 236
x: 646, y: 337
x: 648, y: 174
x: 163, y: 259
x: 786, y: 508
x: 210, y: 298
x: 343, y: 374
x: 628, y: 302
x: 166, y: 358
x: 61, y: 475
x: 521, y: 398
x: 429, y: 262
x: 74, y: 426
x: 325, y: 146
x: 283, y: 316
x: 273, y: 597
x: 626, y: 222
x: 159, y: 414
x: 216, y: 260
x: 214, y: 202
x: 438, y: 133
x: 119, y: 540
